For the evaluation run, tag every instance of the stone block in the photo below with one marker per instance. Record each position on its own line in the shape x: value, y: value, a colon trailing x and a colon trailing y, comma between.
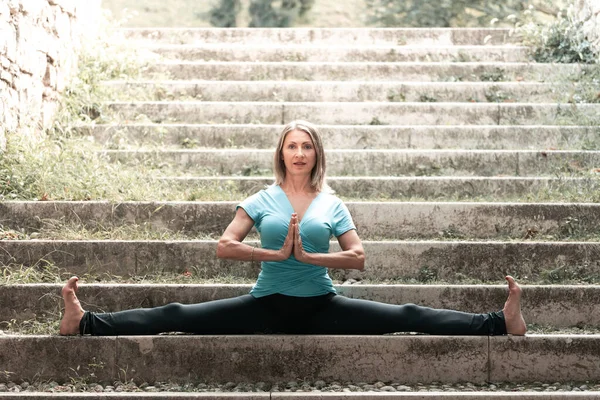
x: 6, y: 76
x: 285, y: 357
x: 8, y: 41
x: 94, y: 357
x: 63, y: 27
x: 549, y: 358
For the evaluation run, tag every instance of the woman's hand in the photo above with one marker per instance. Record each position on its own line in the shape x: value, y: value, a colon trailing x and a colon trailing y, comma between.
x: 299, y: 253
x: 288, y: 245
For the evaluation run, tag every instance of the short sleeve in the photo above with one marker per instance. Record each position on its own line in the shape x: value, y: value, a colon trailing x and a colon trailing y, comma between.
x: 342, y: 220
x: 253, y: 206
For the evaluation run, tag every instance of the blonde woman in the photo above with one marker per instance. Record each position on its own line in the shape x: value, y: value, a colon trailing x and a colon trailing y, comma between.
x: 296, y: 217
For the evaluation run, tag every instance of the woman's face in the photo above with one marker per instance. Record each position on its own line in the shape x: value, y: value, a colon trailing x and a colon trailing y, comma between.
x: 298, y: 153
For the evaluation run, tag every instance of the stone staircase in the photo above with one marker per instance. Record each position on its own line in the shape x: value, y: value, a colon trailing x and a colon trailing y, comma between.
x: 435, y: 137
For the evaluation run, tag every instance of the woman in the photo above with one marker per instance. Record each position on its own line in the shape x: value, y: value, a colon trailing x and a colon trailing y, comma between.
x: 296, y: 217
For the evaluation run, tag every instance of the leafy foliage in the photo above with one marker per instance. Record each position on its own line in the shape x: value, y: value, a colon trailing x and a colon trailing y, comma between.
x: 224, y: 13
x: 263, y: 13
x: 443, y: 13
x: 562, y: 40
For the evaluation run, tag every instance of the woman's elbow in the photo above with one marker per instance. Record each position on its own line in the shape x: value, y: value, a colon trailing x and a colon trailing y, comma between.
x: 222, y: 246
x: 360, y: 260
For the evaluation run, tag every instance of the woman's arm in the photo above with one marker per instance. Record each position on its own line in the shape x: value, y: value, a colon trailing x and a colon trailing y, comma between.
x: 352, y: 255
x: 230, y: 245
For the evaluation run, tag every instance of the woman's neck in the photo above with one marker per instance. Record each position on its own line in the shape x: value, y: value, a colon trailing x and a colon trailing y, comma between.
x: 293, y: 185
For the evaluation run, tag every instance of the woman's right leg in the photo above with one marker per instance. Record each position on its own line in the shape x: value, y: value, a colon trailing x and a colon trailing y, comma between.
x: 239, y: 315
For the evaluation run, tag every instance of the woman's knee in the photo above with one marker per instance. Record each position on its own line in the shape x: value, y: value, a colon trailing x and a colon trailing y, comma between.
x: 173, y: 309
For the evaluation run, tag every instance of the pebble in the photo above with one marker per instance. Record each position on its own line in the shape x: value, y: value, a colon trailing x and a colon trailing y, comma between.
x: 388, y: 389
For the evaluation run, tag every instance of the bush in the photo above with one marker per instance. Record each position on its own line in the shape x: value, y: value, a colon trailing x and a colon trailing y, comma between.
x: 443, y: 13
x: 263, y: 13
x: 224, y: 13
x: 562, y: 40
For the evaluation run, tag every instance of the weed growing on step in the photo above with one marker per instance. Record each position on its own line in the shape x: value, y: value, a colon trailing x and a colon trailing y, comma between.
x: 497, y: 75
x: 427, y: 99
x: 496, y: 95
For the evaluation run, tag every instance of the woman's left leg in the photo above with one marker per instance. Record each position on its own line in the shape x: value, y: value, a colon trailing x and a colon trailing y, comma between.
x: 342, y: 315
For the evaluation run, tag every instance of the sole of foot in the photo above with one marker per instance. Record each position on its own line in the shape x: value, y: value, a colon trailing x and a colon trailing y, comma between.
x: 69, y: 325
x: 515, y: 324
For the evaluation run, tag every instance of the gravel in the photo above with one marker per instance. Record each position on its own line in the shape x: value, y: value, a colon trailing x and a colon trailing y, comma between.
x: 295, y: 386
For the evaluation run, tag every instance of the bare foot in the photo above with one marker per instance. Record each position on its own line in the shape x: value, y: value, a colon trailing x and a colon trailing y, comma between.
x: 515, y: 324
x: 69, y: 325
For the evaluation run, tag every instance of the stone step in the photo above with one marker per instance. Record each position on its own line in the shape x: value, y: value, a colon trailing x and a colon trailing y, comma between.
x: 327, y: 91
x: 558, y: 306
x: 372, y: 162
x: 325, y: 36
x: 406, y: 188
x: 373, y: 219
x: 369, y: 113
x: 349, y: 136
x: 407, y: 359
x: 343, y: 53
x: 419, y: 261
x: 375, y: 71
x: 521, y: 393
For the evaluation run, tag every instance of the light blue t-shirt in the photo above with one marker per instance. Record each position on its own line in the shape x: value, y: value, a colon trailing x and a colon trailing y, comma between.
x: 271, y: 211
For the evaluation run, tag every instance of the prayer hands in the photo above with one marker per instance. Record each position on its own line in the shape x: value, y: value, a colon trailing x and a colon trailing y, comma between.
x: 293, y: 242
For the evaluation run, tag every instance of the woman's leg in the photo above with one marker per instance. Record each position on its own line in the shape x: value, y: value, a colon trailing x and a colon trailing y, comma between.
x: 239, y: 315
x: 353, y: 316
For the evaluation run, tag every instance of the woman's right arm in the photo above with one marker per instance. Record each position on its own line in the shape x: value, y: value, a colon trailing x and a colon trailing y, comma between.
x: 230, y: 245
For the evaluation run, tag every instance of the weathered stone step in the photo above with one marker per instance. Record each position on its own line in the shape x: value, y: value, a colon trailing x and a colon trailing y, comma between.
x: 420, y: 261
x: 350, y: 136
x: 343, y: 53
x: 516, y: 394
x: 328, y: 91
x: 407, y: 359
x: 325, y: 36
x: 405, y: 188
x: 362, y: 71
x: 472, y: 394
x: 549, y: 305
x: 411, y: 220
x: 373, y: 162
x: 368, y: 113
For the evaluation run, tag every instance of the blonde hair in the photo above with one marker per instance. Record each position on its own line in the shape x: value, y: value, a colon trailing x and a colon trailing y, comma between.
x: 317, y: 175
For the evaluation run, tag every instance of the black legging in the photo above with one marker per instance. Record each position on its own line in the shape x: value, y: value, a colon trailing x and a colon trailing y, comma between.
x: 328, y: 314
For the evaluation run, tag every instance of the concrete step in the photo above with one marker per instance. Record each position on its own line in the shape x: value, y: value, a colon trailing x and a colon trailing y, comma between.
x: 373, y: 219
x: 369, y: 113
x: 325, y: 36
x: 327, y: 91
x: 516, y: 394
x: 372, y: 162
x: 407, y: 188
x: 407, y: 359
x: 349, y: 136
x: 361, y: 71
x: 419, y: 261
x: 341, y: 53
x: 558, y: 306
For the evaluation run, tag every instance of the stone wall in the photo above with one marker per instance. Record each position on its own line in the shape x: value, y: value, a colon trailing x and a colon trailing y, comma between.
x: 589, y: 11
x: 39, y: 40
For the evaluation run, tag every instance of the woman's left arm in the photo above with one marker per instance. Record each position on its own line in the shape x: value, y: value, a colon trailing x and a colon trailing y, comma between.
x: 352, y: 255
